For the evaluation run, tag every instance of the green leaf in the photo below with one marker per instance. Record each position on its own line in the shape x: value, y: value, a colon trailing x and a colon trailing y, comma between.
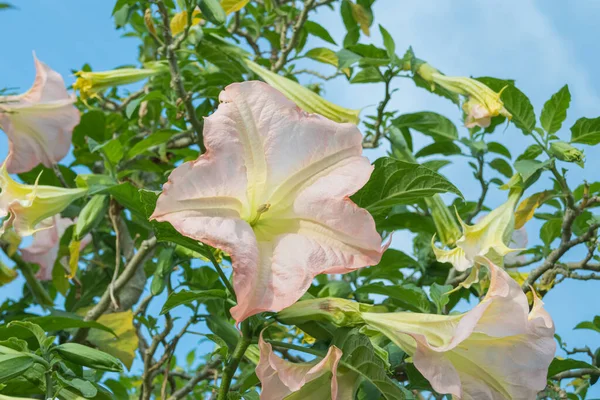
x: 367, y: 75
x: 359, y: 356
x: 188, y: 296
x: 87, y: 389
x: 212, y: 11
x: 520, y: 107
x: 591, y: 325
x: 388, y: 42
x: 495, y: 147
x: 347, y: 58
x: 446, y: 148
x: 36, y: 330
x: 527, y: 168
x: 559, y: 365
x: 323, y: 55
x: 51, y: 323
x: 555, y: 110
x: 428, y: 123
x: 551, y: 230
x: 502, y: 166
x: 396, y: 182
x: 13, y: 365
x: 586, y: 131
x: 317, y: 30
x: 122, y: 346
x: 389, y: 266
x: 531, y: 152
x: 515, y: 101
x: 156, y: 138
x: 439, y: 296
x: 408, y: 296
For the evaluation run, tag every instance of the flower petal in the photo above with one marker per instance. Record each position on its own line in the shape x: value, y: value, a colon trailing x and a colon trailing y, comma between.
x: 38, y: 123
x: 44, y: 248
x: 272, y: 191
x: 281, y: 378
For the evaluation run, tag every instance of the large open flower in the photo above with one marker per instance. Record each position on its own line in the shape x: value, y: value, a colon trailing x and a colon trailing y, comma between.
x: 26, y: 206
x: 281, y: 378
x: 272, y: 191
x: 46, y: 242
x: 498, y: 350
x: 487, y: 238
x: 39, y: 123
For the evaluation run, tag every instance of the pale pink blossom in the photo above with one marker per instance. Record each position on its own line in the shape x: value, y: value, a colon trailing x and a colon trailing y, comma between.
x: 39, y: 123
x: 273, y: 191
x: 280, y: 378
x: 46, y: 242
x: 498, y: 350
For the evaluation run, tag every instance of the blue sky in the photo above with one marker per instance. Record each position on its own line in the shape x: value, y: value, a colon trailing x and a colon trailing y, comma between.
x: 540, y: 44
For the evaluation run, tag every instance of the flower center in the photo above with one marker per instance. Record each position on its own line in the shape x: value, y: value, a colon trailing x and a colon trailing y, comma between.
x: 263, y: 208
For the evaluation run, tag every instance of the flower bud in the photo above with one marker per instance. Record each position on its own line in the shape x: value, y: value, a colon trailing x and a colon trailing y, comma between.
x: 565, y: 152
x: 305, y: 98
x: 446, y: 226
x: 88, y: 357
x: 339, y: 311
x: 91, y: 83
x: 90, y: 216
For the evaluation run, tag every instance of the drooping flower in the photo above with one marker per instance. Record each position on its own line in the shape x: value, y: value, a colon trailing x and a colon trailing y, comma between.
x: 26, y: 206
x: 281, y: 378
x: 39, y: 123
x: 46, y: 242
x: 305, y: 98
x: 487, y: 238
x: 272, y: 191
x: 481, y: 104
x: 90, y: 84
x: 498, y: 350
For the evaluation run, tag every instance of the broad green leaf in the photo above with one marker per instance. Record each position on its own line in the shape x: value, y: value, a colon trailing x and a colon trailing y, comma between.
x: 591, y: 325
x: 154, y: 139
x: 231, y: 6
x: 550, y: 230
x: 323, y: 55
x: 347, y: 58
x: 495, y: 147
x: 360, y: 358
x: 428, y: 123
x: 527, y: 207
x: 440, y: 296
x: 122, y: 346
x: 527, y: 168
x: 555, y: 110
x: 367, y: 75
x: 188, y: 296
x: 559, y: 365
x: 515, y: 101
x: 446, y: 148
x: 52, y: 323
x: 520, y: 107
x: 531, y: 152
x: 388, y: 42
x: 36, y: 330
x: 87, y: 389
x: 213, y: 11
x: 502, y: 166
x: 408, y: 296
x: 389, y: 266
x: 13, y: 365
x: 396, y: 182
x: 586, y: 131
x: 317, y: 30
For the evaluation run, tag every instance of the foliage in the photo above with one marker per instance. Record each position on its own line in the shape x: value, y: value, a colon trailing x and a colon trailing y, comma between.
x: 141, y: 288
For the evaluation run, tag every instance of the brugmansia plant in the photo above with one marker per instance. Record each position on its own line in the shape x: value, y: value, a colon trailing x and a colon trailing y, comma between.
x: 219, y: 233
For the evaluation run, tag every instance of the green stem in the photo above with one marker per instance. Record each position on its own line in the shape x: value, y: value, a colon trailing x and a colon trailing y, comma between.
x: 234, y: 361
x: 291, y: 346
x: 39, y: 292
x: 215, y: 263
x: 49, y: 385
